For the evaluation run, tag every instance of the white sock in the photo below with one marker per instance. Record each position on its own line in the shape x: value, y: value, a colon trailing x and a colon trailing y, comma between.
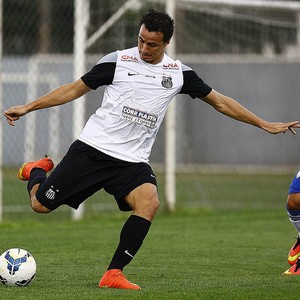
x: 294, y: 217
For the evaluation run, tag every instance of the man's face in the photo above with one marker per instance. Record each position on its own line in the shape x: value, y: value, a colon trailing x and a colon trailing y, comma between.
x: 151, y: 45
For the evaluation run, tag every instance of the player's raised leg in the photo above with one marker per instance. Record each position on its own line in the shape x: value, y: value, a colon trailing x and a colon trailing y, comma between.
x: 35, y: 173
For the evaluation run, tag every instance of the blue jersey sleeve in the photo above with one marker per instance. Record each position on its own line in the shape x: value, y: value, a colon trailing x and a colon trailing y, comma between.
x: 295, y: 185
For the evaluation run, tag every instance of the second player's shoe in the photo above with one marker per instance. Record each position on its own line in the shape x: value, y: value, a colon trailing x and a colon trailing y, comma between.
x: 294, y: 253
x: 45, y: 163
x: 293, y: 270
x: 115, y: 279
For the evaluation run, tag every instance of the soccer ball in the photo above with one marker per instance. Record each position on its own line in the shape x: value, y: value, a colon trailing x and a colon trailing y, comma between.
x: 17, y: 267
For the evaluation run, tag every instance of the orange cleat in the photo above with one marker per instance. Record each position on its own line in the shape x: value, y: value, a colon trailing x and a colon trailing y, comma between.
x: 294, y: 270
x: 116, y: 280
x: 45, y: 163
x: 294, y: 253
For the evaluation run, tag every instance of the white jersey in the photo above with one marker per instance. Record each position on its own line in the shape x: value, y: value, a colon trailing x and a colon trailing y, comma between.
x: 134, y: 104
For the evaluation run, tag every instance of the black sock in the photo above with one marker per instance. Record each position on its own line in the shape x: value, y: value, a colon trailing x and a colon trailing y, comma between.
x: 37, y: 175
x: 132, y: 236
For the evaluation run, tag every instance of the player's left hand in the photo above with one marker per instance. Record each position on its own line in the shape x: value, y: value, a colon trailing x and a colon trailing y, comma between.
x: 279, y: 127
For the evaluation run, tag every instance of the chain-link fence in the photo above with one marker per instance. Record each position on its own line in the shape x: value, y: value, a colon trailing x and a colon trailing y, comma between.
x: 251, y: 54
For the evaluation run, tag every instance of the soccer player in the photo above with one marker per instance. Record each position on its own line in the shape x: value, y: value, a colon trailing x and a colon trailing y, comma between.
x: 112, y: 152
x: 293, y: 211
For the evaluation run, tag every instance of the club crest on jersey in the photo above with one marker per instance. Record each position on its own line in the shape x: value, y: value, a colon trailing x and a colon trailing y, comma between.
x: 167, y: 82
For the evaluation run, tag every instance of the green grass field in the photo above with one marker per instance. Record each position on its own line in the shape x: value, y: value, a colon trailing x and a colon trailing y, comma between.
x: 228, y: 240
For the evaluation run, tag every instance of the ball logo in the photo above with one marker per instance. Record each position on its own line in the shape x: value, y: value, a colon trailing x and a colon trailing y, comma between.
x: 13, y: 265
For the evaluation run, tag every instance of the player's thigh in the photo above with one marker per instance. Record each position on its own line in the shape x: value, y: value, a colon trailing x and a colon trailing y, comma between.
x: 126, y: 183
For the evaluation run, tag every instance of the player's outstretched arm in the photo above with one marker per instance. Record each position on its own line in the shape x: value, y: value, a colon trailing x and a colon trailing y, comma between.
x: 59, y: 96
x: 235, y: 110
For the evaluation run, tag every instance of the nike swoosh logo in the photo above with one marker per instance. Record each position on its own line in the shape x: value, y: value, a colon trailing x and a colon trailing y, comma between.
x: 126, y: 251
x: 294, y: 257
x: 132, y: 74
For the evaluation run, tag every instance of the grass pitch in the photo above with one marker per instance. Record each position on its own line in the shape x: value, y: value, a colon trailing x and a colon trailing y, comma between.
x: 231, y: 247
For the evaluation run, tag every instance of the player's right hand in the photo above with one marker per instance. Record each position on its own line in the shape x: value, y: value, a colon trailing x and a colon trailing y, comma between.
x: 14, y: 113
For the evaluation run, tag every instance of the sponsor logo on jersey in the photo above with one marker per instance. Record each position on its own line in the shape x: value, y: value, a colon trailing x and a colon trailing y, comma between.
x: 167, y: 82
x: 128, y: 58
x: 170, y: 66
x: 139, y: 117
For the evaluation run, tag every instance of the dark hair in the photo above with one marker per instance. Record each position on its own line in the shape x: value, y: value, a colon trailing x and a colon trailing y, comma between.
x: 158, y: 21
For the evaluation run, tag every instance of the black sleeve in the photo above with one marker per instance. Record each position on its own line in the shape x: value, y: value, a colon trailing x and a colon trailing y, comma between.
x: 193, y: 85
x: 100, y: 74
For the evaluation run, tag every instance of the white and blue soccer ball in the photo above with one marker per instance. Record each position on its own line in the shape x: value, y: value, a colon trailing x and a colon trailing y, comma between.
x: 17, y: 267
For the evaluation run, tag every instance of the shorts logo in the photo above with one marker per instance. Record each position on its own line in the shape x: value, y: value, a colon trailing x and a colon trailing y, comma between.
x: 50, y: 194
x: 167, y: 82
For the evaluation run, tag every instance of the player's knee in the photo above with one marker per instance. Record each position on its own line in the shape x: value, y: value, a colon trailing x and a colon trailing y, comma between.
x: 38, y: 207
x: 149, y: 207
x: 150, y: 202
x: 293, y: 202
x: 144, y: 201
x: 155, y: 204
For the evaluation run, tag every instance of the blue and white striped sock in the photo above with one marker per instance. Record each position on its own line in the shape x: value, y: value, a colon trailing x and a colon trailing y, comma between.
x: 294, y: 216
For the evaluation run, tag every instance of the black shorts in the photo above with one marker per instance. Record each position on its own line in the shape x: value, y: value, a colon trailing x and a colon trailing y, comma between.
x: 85, y: 170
